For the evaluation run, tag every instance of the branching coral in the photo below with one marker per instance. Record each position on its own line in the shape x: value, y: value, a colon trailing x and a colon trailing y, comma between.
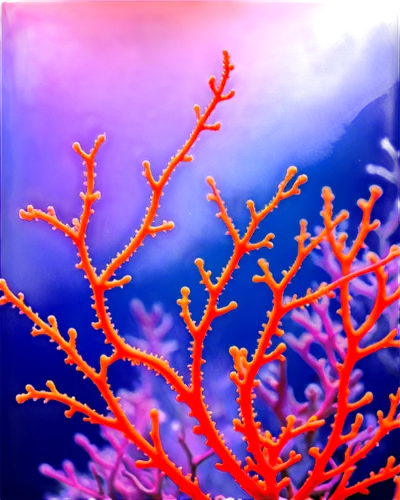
x: 112, y: 471
x: 264, y: 472
x: 320, y: 330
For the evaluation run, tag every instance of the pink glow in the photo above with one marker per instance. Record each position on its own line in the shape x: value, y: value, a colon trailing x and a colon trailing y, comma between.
x: 75, y: 39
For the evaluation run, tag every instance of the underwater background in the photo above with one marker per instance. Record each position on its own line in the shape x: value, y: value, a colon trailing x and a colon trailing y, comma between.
x: 314, y: 88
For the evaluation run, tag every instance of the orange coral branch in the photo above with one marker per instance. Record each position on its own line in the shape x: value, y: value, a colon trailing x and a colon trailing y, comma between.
x: 397, y: 490
x: 50, y: 329
x: 246, y: 371
x: 247, y: 382
x: 242, y: 245
x: 385, y: 426
x: 265, y: 459
x: 388, y: 472
x: 182, y: 155
x: 99, y: 284
x: 53, y: 394
x: 120, y: 422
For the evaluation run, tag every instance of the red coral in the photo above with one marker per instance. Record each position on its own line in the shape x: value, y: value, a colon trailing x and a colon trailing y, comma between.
x: 264, y: 473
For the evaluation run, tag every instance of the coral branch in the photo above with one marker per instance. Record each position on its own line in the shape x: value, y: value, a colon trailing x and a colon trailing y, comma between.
x: 100, y: 283
x: 182, y: 155
x: 354, y: 336
x: 343, y: 491
x: 53, y: 394
x: 242, y: 245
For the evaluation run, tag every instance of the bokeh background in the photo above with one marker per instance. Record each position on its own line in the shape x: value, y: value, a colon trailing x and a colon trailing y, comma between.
x: 316, y: 86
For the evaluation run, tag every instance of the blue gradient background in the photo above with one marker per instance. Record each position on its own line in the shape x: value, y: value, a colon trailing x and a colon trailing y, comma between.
x: 316, y: 86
